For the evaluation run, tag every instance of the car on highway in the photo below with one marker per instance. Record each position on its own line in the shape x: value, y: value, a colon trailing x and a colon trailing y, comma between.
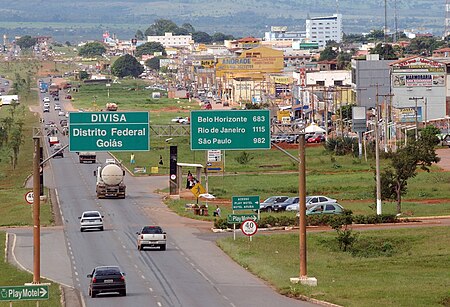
x: 325, y: 209
x: 311, y: 201
x: 46, y: 99
x: 58, y: 151
x: 152, y: 236
x: 107, y: 279
x: 57, y: 107
x: 91, y: 220
x: 46, y: 105
x: 46, y: 109
x: 61, y: 113
x: 268, y: 204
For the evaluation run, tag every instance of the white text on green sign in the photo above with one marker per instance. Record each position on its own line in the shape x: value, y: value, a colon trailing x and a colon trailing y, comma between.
x: 245, y: 202
x: 108, y: 131
x: 230, y: 130
x: 239, y: 218
x: 24, y: 293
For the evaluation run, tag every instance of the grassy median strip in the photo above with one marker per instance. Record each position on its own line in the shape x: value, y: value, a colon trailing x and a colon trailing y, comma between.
x: 11, y: 276
x: 401, y: 267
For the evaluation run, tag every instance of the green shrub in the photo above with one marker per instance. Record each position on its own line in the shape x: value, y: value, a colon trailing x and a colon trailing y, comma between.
x: 244, y: 158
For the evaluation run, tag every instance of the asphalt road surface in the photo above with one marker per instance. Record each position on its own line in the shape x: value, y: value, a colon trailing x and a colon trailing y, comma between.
x: 191, y: 272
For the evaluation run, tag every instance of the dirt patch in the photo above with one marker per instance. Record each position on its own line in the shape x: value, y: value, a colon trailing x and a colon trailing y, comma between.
x: 171, y: 109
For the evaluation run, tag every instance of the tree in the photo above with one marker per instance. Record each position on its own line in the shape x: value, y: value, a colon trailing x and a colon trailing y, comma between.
x: 404, y: 164
x: 328, y: 54
x: 153, y: 63
x: 424, y: 45
x: 344, y: 60
x: 139, y: 35
x: 386, y: 51
x: 92, y: 49
x: 150, y: 48
x: 220, y: 37
x: 160, y: 27
x: 68, y: 44
x: 26, y: 42
x: 201, y: 37
x: 126, y: 65
x: 188, y: 27
x: 12, y: 135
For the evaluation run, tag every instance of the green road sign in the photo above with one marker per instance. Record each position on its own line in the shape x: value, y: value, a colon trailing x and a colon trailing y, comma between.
x: 24, y: 293
x: 230, y: 129
x: 245, y: 202
x: 239, y: 218
x: 109, y: 131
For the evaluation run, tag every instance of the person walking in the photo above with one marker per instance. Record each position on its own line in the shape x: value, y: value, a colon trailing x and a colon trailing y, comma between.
x: 132, y: 161
x: 217, y: 211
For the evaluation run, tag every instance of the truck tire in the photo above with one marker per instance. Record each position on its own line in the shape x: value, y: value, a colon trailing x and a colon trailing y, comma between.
x: 163, y: 247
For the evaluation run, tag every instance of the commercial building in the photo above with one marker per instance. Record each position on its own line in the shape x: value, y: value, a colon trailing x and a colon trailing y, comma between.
x: 371, y: 77
x: 323, y: 29
x: 419, y: 89
x: 282, y: 34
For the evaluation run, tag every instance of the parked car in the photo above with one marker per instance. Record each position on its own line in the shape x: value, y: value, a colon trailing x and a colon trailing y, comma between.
x: 61, y: 113
x: 282, y: 206
x: 311, y: 201
x: 46, y: 110
x: 325, y: 209
x: 317, y: 138
x: 57, y: 107
x: 46, y: 104
x: 107, y: 279
x: 46, y: 99
x: 91, y: 220
x: 151, y: 236
x: 267, y: 205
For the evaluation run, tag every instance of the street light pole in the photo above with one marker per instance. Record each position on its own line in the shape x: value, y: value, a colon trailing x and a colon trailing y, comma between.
x: 377, y: 159
x: 36, y: 210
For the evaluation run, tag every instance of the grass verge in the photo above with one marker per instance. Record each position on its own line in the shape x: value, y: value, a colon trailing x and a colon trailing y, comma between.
x: 402, y: 267
x: 11, y: 276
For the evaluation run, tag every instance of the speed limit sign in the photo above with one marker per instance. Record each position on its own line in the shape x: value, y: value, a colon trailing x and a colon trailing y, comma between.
x: 29, y: 197
x: 249, y: 227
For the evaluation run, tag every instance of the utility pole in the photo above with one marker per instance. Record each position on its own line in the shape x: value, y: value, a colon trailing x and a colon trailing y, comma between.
x: 36, y: 211
x: 386, y: 117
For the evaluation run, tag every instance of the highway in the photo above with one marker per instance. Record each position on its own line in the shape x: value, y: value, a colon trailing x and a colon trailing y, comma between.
x: 191, y: 272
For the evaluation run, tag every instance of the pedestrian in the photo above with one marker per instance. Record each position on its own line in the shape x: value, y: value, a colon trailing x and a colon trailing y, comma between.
x: 189, y: 179
x: 132, y: 161
x: 217, y: 211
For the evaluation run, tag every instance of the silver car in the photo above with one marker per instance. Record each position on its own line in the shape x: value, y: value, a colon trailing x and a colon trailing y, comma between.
x: 91, y: 220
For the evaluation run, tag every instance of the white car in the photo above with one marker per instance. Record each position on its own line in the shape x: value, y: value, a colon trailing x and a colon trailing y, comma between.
x: 46, y: 105
x: 61, y: 113
x: 46, y: 99
x: 57, y: 107
x: 91, y: 220
x: 311, y: 201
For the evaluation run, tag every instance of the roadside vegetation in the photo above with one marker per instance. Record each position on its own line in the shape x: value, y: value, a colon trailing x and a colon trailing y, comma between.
x: 395, y: 267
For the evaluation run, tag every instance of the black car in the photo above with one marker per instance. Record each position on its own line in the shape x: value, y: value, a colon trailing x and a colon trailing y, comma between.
x: 268, y: 204
x: 107, y: 279
x: 58, y: 151
x: 282, y: 206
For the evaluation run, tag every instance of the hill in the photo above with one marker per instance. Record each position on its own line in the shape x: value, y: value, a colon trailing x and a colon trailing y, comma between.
x: 87, y: 19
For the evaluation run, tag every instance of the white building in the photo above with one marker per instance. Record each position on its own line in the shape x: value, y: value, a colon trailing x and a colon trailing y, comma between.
x: 282, y: 34
x: 322, y: 29
x: 170, y: 40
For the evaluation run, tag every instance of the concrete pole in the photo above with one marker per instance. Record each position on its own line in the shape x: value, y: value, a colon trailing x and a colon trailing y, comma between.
x: 377, y: 160
x: 36, y: 210
x: 302, y: 204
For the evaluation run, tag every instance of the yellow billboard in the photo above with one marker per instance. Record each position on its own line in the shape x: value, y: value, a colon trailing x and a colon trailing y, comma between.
x: 261, y: 59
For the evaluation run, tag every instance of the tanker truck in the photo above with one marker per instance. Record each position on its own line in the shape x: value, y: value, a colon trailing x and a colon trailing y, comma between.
x: 110, y: 180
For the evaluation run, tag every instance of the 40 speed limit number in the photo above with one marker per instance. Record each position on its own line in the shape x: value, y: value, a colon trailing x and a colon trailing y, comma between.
x: 249, y: 227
